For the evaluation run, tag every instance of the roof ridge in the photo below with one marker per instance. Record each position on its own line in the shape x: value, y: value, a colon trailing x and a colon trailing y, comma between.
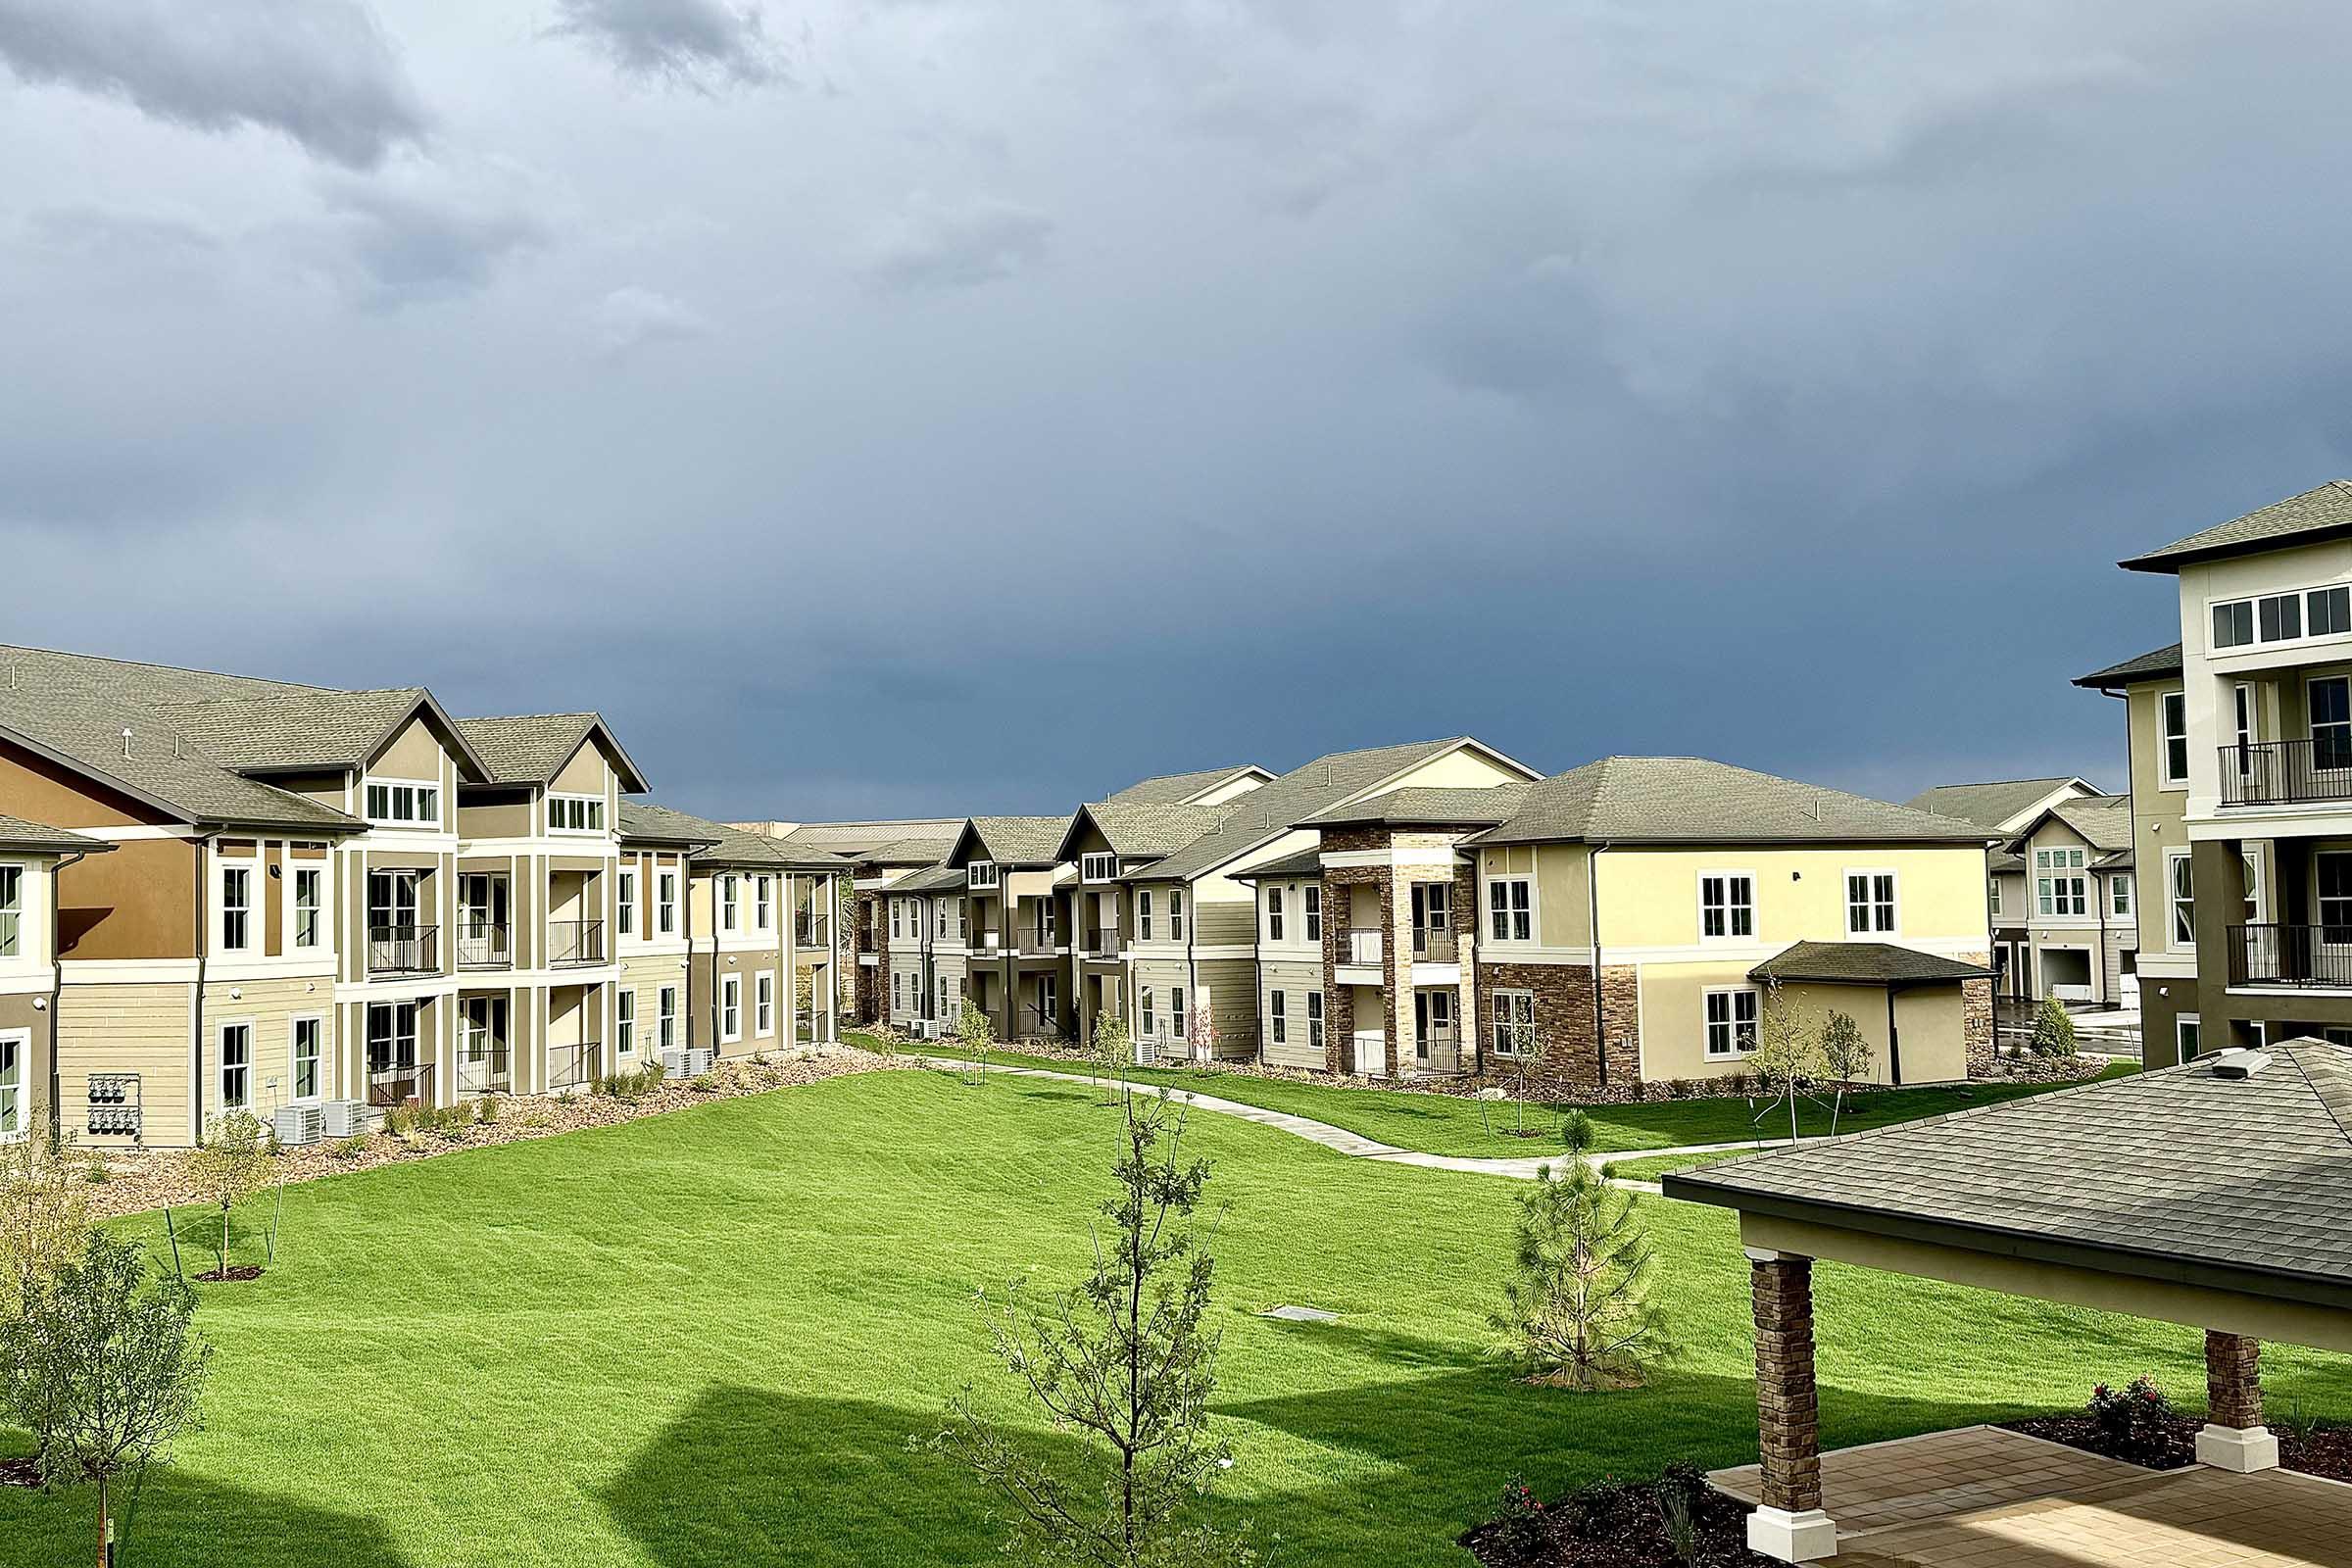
x: 179, y: 670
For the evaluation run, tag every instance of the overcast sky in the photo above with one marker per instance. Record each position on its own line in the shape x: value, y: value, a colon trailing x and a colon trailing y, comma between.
x: 891, y: 407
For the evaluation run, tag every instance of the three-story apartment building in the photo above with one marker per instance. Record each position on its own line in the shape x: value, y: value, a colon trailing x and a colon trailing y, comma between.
x: 2007, y: 807
x: 32, y: 856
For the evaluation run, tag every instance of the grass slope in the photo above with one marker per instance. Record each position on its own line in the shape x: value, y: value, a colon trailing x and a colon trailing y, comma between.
x: 703, y: 1339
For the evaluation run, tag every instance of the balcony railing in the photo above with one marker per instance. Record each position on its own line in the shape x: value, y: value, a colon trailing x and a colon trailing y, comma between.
x: 397, y: 1083
x: 484, y: 944
x: 811, y: 931
x: 2314, y: 956
x: 404, y: 950
x: 2287, y: 772
x: 1360, y: 946
x: 1440, y: 1053
x: 1102, y: 942
x: 1037, y: 944
x: 573, y: 1066
x: 575, y: 942
x: 1035, y: 1024
x: 487, y: 1073
x: 1434, y: 943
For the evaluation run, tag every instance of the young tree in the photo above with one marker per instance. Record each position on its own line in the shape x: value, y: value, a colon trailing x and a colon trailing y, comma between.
x: 1786, y: 1057
x: 2053, y: 1029
x: 1108, y: 1056
x: 1576, y: 1313
x: 43, y: 1218
x: 1124, y: 1364
x: 974, y: 1035
x: 105, y: 1370
x: 1846, y: 1056
x: 1518, y: 1082
x: 230, y: 1165
x: 1200, y: 1035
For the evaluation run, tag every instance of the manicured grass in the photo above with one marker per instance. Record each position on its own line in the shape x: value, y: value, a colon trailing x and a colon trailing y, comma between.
x: 702, y: 1340
x: 1458, y: 1125
x: 1651, y: 1167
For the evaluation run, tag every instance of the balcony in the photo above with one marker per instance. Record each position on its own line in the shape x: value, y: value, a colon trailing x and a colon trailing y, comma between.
x: 1037, y: 944
x: 404, y: 950
x: 398, y: 1083
x: 484, y: 944
x: 2287, y: 772
x: 1360, y: 948
x: 573, y: 1066
x: 1102, y: 942
x: 2313, y: 956
x: 485, y: 1070
x: 573, y: 943
x: 865, y: 939
x: 1435, y: 945
x: 812, y: 932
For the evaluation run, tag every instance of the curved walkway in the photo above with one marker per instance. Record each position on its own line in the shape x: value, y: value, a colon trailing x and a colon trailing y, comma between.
x: 1356, y: 1145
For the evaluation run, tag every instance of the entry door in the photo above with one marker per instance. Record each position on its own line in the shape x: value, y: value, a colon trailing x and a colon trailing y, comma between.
x: 1436, y: 1046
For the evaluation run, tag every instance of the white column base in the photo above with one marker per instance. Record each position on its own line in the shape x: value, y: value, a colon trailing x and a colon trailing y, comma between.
x: 1806, y: 1536
x: 2239, y: 1448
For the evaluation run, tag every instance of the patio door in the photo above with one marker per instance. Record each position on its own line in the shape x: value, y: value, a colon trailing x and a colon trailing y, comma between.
x: 481, y: 918
x: 393, y: 936
x: 1437, y: 1045
x: 2329, y: 699
x: 393, y: 1075
x: 2332, y: 894
x: 482, y: 1058
x: 1432, y: 916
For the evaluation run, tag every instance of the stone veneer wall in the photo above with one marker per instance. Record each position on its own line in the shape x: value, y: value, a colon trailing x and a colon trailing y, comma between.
x: 1339, y: 1000
x: 1621, y: 1022
x: 1563, y: 1020
x: 1976, y: 1018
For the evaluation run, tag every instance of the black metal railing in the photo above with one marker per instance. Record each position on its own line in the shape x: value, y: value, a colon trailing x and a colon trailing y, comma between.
x: 574, y: 941
x: 404, y: 950
x: 811, y: 931
x: 486, y: 1073
x: 397, y: 1083
x: 1434, y: 943
x: 2287, y: 772
x: 1039, y: 1024
x: 573, y: 1066
x: 484, y: 944
x: 2316, y: 956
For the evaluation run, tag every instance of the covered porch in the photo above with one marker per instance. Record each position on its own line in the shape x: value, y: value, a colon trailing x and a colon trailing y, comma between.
x: 2211, y: 1196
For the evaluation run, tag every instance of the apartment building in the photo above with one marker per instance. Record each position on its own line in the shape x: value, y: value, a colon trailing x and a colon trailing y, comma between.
x: 2246, y: 727
x: 879, y: 855
x: 32, y: 856
x: 1017, y: 946
x: 2008, y: 808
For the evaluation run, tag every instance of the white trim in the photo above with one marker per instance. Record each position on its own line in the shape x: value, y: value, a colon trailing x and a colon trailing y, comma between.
x: 137, y: 835
x: 417, y: 824
x: 597, y: 830
x: 1895, y: 899
x: 2257, y: 643
x: 125, y: 971
x: 310, y: 962
x: 1756, y: 918
x: 727, y: 983
x: 1407, y: 854
x: 2188, y: 1019
x: 2187, y: 949
x: 1706, y: 1025
x: 2165, y: 777
x: 573, y: 846
x: 326, y: 1060
x: 219, y: 1085
x: 22, y: 1041
x: 291, y: 871
x: 1728, y: 950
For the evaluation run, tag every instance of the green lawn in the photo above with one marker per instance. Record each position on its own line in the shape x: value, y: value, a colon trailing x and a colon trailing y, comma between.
x: 703, y: 1339
x: 1457, y: 1125
x: 1649, y: 1169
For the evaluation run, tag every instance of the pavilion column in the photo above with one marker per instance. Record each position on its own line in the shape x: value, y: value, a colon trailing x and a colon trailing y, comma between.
x: 2234, y: 1436
x: 1788, y: 1523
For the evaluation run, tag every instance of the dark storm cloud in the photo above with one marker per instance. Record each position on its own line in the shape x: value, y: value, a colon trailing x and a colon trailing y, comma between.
x: 690, y: 42
x: 320, y: 71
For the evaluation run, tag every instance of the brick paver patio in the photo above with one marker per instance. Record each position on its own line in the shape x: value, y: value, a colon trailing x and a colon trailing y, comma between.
x: 1982, y: 1498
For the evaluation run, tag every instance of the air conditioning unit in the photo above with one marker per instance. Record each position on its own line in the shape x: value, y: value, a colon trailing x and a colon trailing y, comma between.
x: 690, y: 1062
x: 299, y: 1124
x: 350, y: 1118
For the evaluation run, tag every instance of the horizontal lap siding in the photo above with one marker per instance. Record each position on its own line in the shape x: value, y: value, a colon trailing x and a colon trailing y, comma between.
x: 127, y: 1028
x: 1295, y: 981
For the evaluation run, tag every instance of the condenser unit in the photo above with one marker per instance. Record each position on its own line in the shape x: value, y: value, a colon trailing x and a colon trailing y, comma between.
x: 299, y: 1124
x: 350, y: 1118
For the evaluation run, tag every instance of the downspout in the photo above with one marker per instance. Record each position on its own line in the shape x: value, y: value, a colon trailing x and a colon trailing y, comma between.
x: 1600, y: 1040
x: 1192, y: 976
x: 1894, y: 1049
x: 196, y: 1044
x: 686, y: 899
x: 57, y: 996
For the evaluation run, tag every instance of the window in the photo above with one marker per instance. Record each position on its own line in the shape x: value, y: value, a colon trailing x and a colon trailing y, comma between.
x: 15, y: 1048
x: 2234, y: 623
x: 1277, y: 1025
x: 2181, y: 891
x: 1511, y: 909
x: 763, y: 1005
x: 575, y: 814
x: 730, y: 1008
x: 898, y: 992
x: 12, y: 909
x: 2119, y: 895
x: 1732, y: 1020
x: 764, y: 903
x: 2334, y: 878
x: 309, y: 1034
x: 1144, y: 1011
x: 391, y: 1037
x: 2172, y: 709
x: 1274, y: 917
x: 896, y: 908
x: 2188, y: 1036
x: 1097, y: 867
x: 394, y: 804
x: 2059, y: 885
x: 237, y: 1066
x: 1311, y: 899
x: 2330, y: 705
x: 665, y: 1019
x: 1993, y: 897
x: 1175, y: 916
x: 1314, y: 1021
x: 2255, y: 902
x: 1514, y: 1023
x: 665, y: 903
x: 624, y: 905
x: 625, y: 1023
x: 1727, y: 906
x: 730, y: 902
x: 236, y: 908
x: 1143, y: 915
x: 1176, y: 1013
x: 980, y: 874
x: 2241, y: 703
x: 2282, y: 617
x: 2328, y: 611
x: 1869, y: 903
x: 309, y: 888
x: 2278, y: 617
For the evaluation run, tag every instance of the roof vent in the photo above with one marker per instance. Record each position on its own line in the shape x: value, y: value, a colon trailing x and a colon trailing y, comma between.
x: 2240, y: 1063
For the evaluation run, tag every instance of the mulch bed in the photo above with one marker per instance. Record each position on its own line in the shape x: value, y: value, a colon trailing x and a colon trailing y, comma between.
x: 19, y: 1472
x: 236, y: 1273
x: 2324, y: 1450
x: 1614, y: 1525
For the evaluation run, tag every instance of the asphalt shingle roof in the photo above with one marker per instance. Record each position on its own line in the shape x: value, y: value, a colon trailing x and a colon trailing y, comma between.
x: 1307, y: 862
x: 16, y: 833
x: 930, y: 879
x: 1021, y: 840
x: 850, y: 838
x: 1691, y: 800
x: 2152, y: 666
x: 532, y: 747
x: 721, y: 845
x: 2321, y: 511
x: 1987, y: 805
x: 1451, y: 806
x: 924, y: 851
x: 1134, y: 829
x: 1178, y: 789
x: 2103, y: 820
x: 1863, y: 963
x: 2172, y: 1174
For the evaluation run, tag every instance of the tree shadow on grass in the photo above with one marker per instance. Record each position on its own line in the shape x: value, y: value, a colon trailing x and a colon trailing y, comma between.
x: 187, y: 1520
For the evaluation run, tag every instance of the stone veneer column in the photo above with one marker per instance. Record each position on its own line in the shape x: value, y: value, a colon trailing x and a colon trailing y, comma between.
x: 1788, y: 1523
x: 2234, y: 1436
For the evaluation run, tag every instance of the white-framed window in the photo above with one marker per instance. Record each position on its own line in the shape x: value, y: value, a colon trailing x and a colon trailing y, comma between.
x: 1176, y: 1013
x: 2329, y: 701
x: 665, y: 1018
x: 1731, y: 1012
x: 2059, y: 886
x: 763, y: 1004
x: 305, y: 1045
x: 666, y: 903
x: 2280, y: 617
x: 1514, y: 1022
x: 2119, y: 895
x: 2332, y: 888
x: 1146, y: 1013
x: 236, y: 908
x: 1314, y: 1021
x: 1311, y: 900
x: 402, y: 801
x: 2188, y: 1036
x: 1870, y: 906
x: 1511, y: 908
x: 730, y: 1008
x: 310, y: 905
x: 730, y: 902
x: 15, y: 1061
x: 1277, y: 1025
x: 2181, y: 898
x: 575, y: 814
x: 236, y: 1065
x: 2172, y: 721
x: 1727, y: 906
x: 981, y: 876
x: 1097, y: 867
x: 2241, y: 706
x: 391, y: 1037
x: 898, y: 992
x: 1992, y: 896
x: 898, y: 911
x: 12, y: 910
x: 1143, y: 915
x: 624, y: 901
x: 1175, y: 915
x: 2257, y: 896
x: 625, y: 1023
x: 764, y: 903
x: 1274, y: 917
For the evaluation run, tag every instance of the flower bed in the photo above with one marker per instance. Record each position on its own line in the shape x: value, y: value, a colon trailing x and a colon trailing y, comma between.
x: 1617, y: 1525
x: 2138, y: 1425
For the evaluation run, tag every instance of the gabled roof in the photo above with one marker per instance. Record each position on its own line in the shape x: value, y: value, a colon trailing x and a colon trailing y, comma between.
x: 1691, y: 800
x: 2102, y: 821
x: 931, y: 879
x: 851, y: 838
x: 1012, y: 841
x: 1136, y: 829
x: 307, y: 732
x: 1419, y: 806
x: 644, y: 822
x: 39, y: 838
x: 1881, y: 963
x: 1272, y: 810
x: 532, y: 747
x: 2323, y: 512
x: 1993, y: 805
x: 1300, y: 865
x: 2155, y: 665
x: 924, y: 851
x: 1185, y: 789
x: 2239, y: 1184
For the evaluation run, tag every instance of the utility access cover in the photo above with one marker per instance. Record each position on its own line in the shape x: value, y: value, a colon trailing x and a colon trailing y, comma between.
x: 1301, y: 1315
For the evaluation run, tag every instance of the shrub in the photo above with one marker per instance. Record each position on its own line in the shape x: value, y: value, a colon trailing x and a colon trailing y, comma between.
x: 2053, y: 1029
x: 44, y: 1218
x: 351, y: 1147
x: 704, y: 1083
x: 2136, y: 1420
x: 488, y: 1110
x: 1519, y: 1521
x: 1846, y: 1054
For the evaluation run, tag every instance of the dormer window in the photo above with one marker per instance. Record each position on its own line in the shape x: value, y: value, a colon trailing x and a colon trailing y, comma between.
x: 1097, y: 867
x: 575, y: 814
x: 981, y: 874
x: 403, y: 803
